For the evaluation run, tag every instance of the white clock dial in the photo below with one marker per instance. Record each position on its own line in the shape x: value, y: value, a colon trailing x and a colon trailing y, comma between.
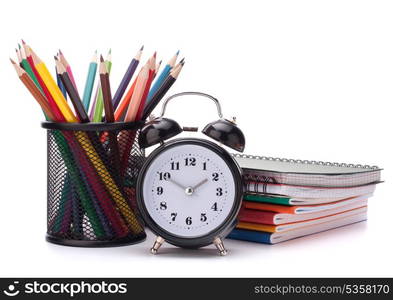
x: 189, y: 190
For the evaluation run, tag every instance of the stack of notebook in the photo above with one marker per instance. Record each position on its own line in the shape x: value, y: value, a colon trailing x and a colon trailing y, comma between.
x: 286, y: 199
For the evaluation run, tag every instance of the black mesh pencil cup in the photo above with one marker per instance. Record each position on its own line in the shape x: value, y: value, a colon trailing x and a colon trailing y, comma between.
x: 92, y: 172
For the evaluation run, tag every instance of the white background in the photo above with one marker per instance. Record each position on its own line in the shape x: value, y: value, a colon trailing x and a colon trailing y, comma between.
x: 306, y: 79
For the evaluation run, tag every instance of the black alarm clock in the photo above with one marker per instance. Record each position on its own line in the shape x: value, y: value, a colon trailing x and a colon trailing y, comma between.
x: 190, y: 189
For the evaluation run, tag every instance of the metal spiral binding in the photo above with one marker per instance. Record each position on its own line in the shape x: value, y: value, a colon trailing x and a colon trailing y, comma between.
x: 307, y: 162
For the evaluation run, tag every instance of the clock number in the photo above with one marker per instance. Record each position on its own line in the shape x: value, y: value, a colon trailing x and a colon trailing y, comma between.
x: 160, y: 190
x: 214, y: 207
x: 175, y: 165
x: 190, y: 161
x: 203, y: 217
x: 188, y: 220
x: 219, y: 191
x: 163, y: 205
x: 204, y: 166
x: 173, y: 216
x: 164, y: 176
x: 215, y: 176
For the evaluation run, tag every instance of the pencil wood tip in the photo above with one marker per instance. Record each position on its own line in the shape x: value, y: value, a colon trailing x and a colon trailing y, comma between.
x: 12, y: 61
x: 155, y: 54
x: 101, y: 58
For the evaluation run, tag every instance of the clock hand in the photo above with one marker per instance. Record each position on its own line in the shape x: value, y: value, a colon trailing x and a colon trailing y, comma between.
x: 177, y: 184
x: 199, y: 184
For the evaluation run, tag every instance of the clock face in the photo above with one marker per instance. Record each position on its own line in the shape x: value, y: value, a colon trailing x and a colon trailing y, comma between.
x: 189, y: 189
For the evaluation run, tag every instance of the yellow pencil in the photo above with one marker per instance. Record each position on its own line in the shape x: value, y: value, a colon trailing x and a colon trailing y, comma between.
x: 53, y: 88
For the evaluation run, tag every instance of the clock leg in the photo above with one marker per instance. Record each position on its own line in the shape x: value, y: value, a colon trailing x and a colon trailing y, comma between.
x: 157, y: 244
x: 220, y: 246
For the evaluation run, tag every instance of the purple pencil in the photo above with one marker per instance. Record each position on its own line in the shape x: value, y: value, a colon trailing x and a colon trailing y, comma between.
x: 126, y: 79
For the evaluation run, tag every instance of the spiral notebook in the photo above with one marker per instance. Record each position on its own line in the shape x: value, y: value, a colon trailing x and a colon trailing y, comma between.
x: 305, y: 172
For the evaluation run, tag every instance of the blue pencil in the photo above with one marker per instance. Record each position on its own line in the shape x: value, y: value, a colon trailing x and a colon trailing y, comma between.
x: 160, y: 79
x: 61, y: 86
x: 91, y: 75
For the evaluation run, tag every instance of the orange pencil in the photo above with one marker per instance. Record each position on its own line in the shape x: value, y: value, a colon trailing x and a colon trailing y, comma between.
x: 137, y: 95
x: 37, y: 94
x: 122, y: 108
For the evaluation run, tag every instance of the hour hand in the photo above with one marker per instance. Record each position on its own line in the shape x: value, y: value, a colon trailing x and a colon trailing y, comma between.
x: 199, y: 184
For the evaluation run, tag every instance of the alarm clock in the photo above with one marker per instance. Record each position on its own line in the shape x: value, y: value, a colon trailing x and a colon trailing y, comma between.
x: 190, y: 189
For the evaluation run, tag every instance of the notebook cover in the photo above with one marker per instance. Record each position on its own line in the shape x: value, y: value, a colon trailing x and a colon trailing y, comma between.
x: 303, y: 208
x: 266, y: 199
x: 296, y: 191
x: 298, y: 225
x: 273, y: 218
x: 274, y: 238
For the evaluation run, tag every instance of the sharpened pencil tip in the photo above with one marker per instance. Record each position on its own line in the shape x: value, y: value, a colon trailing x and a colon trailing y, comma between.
x: 56, y: 58
x: 182, y: 60
x: 143, y: 46
x: 110, y: 51
x: 177, y: 53
x: 23, y: 42
x: 61, y: 53
x: 12, y: 61
x: 155, y: 54
x: 101, y: 58
x: 95, y: 52
x: 19, y: 46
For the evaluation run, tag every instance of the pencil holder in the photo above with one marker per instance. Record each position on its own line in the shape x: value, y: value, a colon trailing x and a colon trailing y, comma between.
x: 92, y: 172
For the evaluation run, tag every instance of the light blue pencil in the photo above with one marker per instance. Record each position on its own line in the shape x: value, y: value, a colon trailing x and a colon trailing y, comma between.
x: 91, y: 75
x: 160, y: 79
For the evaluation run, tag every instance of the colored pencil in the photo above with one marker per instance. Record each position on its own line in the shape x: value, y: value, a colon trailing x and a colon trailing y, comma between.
x: 169, y: 81
x: 91, y: 74
x: 72, y: 92
x: 19, y: 56
x: 137, y: 95
x: 68, y: 68
x: 147, y: 88
x: 53, y: 89
x: 26, y: 66
x: 33, y: 89
x: 157, y: 68
x: 109, y: 115
x: 99, y: 105
x: 122, y: 108
x: 163, y: 75
x: 59, y: 117
x: 60, y: 84
x: 126, y: 78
